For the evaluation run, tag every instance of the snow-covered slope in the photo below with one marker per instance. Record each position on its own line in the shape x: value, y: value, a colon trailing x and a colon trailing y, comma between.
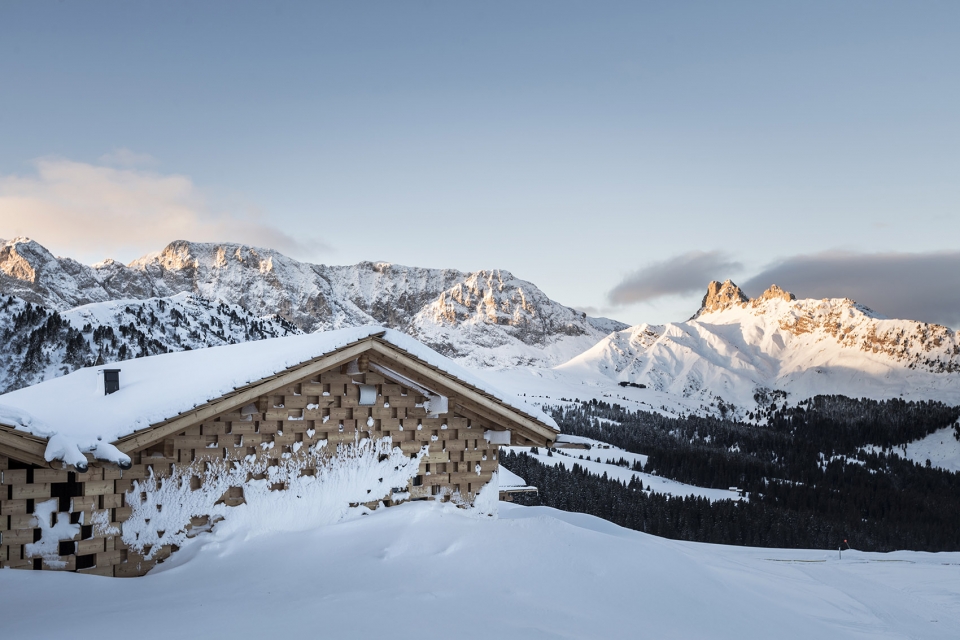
x: 737, y: 350
x: 940, y: 449
x: 486, y: 318
x: 426, y: 569
x: 603, y: 458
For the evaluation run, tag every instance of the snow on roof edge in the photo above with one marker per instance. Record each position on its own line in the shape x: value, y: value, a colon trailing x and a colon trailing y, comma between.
x: 189, y: 379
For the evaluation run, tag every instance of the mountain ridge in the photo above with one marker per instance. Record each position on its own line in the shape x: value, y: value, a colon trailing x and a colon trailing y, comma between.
x: 486, y: 318
x: 736, y: 352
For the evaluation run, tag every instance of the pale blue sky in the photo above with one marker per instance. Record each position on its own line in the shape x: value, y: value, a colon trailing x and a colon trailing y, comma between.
x: 571, y: 143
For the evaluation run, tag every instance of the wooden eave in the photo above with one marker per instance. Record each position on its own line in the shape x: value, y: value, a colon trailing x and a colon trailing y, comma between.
x: 23, y: 446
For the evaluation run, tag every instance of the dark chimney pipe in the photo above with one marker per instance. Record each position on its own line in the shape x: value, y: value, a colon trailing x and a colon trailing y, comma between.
x: 111, y: 381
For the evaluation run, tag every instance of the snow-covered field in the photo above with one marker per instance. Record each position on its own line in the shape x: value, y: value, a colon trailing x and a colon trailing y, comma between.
x: 602, y: 458
x: 941, y: 448
x: 429, y: 570
x: 552, y: 387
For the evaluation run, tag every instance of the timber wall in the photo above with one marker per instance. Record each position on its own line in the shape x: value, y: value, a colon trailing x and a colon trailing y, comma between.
x: 459, y: 460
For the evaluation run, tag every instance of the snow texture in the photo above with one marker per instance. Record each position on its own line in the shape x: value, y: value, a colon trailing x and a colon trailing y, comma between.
x: 63, y: 448
x: 543, y: 573
x: 509, y: 479
x: 54, y: 527
x: 497, y: 437
x: 941, y: 448
x: 156, y: 388
x: 278, y: 498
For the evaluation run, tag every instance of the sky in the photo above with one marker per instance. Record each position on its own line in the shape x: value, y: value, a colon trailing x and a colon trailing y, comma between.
x: 617, y: 155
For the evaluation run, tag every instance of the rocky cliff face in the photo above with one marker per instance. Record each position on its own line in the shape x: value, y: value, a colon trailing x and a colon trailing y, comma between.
x: 737, y: 350
x: 487, y: 318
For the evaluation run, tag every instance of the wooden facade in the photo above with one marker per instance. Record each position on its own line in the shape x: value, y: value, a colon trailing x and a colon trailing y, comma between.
x: 272, y: 421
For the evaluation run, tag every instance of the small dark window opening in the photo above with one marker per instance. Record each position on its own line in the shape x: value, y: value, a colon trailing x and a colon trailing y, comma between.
x: 86, y: 532
x: 67, y: 548
x: 30, y: 505
x: 88, y: 561
x: 418, y: 481
x: 37, y: 564
x: 64, y: 491
x: 37, y: 534
x: 75, y: 518
x: 111, y: 381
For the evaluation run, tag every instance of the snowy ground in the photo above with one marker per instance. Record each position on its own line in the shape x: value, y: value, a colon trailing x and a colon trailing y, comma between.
x: 601, y: 457
x: 552, y: 387
x: 941, y: 448
x: 427, y: 570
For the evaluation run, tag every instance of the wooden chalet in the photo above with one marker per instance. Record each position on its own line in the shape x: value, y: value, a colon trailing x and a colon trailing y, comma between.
x: 75, y: 451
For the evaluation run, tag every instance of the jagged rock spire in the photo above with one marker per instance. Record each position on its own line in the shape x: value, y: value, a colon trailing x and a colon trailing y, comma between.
x: 775, y: 293
x: 722, y: 296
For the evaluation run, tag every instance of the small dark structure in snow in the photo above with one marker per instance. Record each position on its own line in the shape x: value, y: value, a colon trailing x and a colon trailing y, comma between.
x: 635, y: 385
x: 110, y: 483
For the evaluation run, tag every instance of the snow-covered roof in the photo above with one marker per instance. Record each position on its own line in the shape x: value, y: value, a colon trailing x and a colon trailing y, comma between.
x: 508, y: 479
x: 156, y: 388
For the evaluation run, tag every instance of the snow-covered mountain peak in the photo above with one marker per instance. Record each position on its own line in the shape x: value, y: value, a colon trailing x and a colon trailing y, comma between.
x: 19, y: 256
x: 726, y: 295
x: 736, y: 348
x: 488, y: 318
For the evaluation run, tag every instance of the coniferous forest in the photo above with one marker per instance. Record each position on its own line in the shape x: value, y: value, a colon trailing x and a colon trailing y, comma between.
x: 815, y: 475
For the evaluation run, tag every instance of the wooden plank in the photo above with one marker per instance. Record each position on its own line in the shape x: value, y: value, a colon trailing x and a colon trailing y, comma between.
x: 35, y: 491
x: 15, y: 476
x: 105, y: 571
x: 112, y: 500
x: 132, y: 569
x: 50, y: 475
x: 436, y: 478
x: 22, y: 446
x: 86, y: 503
x: 91, y: 545
x: 15, y: 562
x: 435, y: 457
x: 98, y: 487
x: 108, y: 558
x: 13, y: 507
x: 18, y: 537
x: 22, y: 521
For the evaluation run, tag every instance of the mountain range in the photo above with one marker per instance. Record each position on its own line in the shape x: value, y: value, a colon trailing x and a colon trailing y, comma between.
x: 60, y: 314
x: 735, y: 354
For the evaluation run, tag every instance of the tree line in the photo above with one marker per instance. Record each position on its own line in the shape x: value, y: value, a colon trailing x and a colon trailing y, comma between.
x: 808, y: 479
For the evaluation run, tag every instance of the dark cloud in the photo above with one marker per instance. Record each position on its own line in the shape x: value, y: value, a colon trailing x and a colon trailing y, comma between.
x: 686, y: 273
x: 914, y: 286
